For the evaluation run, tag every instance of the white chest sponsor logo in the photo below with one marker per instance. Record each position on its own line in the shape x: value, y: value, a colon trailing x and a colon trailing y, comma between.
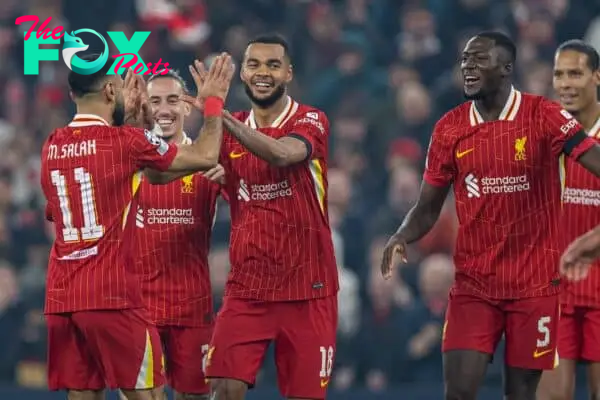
x: 476, y: 187
x: 264, y: 192
x: 164, y: 216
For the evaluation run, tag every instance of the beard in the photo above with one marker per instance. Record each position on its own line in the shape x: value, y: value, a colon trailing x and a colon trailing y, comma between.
x: 268, y: 101
x: 475, y: 96
x: 118, y: 115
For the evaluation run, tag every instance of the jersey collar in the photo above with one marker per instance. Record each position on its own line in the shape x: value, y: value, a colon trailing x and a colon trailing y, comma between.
x: 290, y: 109
x: 80, y: 120
x: 595, y: 130
x: 509, y: 112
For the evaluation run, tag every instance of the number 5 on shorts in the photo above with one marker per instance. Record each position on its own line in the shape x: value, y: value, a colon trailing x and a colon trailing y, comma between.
x: 326, y: 362
x: 544, y: 330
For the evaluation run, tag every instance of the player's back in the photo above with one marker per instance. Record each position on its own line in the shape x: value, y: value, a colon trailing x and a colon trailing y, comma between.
x: 507, y: 177
x: 581, y: 213
x: 281, y: 245
x: 89, y: 179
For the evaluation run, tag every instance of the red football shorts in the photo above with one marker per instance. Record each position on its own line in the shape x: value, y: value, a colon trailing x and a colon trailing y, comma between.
x: 529, y: 327
x: 185, y: 349
x: 304, y: 333
x: 579, y: 334
x: 93, y: 350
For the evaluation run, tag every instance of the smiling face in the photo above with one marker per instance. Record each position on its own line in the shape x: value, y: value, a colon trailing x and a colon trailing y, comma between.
x: 484, y: 66
x: 266, y: 71
x: 574, y: 81
x: 168, y: 109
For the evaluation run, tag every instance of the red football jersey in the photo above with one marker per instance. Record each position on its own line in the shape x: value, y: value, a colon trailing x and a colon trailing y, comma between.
x: 89, y: 177
x: 281, y: 246
x: 581, y: 213
x: 507, y: 176
x: 172, y: 243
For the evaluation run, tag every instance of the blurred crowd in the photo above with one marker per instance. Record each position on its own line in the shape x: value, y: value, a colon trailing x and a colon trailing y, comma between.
x: 383, y: 70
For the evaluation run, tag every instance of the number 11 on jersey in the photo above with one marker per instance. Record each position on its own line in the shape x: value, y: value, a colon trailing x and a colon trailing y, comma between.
x: 90, y: 230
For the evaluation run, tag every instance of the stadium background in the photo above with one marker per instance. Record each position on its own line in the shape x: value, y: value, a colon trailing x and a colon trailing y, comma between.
x: 383, y: 70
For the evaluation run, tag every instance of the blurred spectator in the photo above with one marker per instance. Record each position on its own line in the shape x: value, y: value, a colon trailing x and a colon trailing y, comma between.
x: 425, y: 319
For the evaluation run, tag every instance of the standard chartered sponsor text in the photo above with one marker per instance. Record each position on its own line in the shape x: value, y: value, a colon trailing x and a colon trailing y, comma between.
x: 270, y: 191
x: 584, y: 197
x: 504, y: 184
x: 179, y: 216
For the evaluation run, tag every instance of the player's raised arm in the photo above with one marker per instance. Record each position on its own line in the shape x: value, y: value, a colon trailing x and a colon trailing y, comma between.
x: 438, y: 176
x: 288, y: 150
x: 203, y: 153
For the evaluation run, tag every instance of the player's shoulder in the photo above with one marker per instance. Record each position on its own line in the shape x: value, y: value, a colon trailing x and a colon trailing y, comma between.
x: 540, y: 107
x: 305, y: 114
x: 530, y: 101
x: 454, y: 120
x: 308, y: 111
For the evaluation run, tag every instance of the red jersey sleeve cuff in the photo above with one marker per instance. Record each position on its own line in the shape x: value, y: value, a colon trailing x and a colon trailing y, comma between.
x: 435, y: 180
x: 166, y: 160
x: 582, y: 147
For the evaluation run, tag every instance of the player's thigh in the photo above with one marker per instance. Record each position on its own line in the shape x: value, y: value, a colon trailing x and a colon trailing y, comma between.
x: 305, y: 346
x: 127, y: 345
x: 70, y: 363
x: 558, y: 383
x: 472, y: 323
x: 532, y: 333
x: 590, y: 335
x: 242, y: 333
x: 570, y: 331
x: 185, y: 351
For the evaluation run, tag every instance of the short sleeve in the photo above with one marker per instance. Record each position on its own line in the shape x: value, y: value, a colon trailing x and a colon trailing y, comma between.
x: 149, y: 150
x: 313, y: 129
x: 564, y: 132
x: 439, y: 164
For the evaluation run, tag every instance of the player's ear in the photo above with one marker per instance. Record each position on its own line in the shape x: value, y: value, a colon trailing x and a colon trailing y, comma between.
x: 109, y: 92
x: 290, y: 74
x: 596, y: 77
x: 508, y: 67
x: 242, y: 72
x: 186, y: 109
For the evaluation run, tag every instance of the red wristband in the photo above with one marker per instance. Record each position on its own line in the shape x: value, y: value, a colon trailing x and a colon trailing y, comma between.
x: 213, y: 106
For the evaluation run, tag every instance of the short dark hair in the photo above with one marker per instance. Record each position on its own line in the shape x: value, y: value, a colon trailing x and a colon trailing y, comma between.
x: 501, y: 40
x: 593, y: 59
x: 273, y: 38
x: 170, y: 73
x: 81, y: 85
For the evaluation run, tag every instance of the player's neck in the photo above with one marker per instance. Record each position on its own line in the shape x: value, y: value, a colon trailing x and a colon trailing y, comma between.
x: 588, y: 116
x: 178, y: 137
x: 266, y: 116
x: 490, y: 107
x: 85, y: 108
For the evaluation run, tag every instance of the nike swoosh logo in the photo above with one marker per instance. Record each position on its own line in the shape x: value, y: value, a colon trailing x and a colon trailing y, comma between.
x: 538, y: 354
x: 461, y: 154
x: 324, y: 382
x: 233, y: 154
